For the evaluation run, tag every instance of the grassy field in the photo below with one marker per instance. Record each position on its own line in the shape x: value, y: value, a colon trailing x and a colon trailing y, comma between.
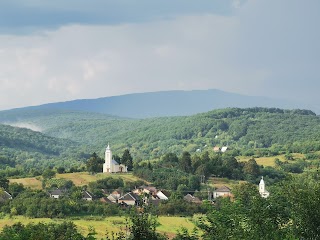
x: 79, y: 178
x: 168, y: 225
x: 269, y: 161
x: 219, y: 182
x: 33, y: 183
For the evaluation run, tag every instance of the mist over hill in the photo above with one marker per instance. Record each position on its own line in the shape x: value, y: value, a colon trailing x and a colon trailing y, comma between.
x: 165, y: 103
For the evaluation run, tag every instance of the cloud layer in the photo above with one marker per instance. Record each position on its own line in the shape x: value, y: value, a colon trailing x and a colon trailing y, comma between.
x: 268, y: 48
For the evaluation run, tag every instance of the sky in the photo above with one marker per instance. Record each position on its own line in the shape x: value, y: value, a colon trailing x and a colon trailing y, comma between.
x: 52, y: 51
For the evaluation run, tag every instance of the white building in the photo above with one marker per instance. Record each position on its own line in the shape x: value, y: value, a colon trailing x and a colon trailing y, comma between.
x: 222, y: 192
x: 262, y: 189
x: 110, y: 165
x: 224, y: 149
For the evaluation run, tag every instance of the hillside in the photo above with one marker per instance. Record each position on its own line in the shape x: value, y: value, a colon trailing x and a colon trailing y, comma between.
x: 243, y: 129
x: 161, y: 104
x: 24, y: 147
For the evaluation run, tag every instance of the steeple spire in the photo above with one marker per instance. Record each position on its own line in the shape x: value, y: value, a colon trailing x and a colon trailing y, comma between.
x: 262, y: 189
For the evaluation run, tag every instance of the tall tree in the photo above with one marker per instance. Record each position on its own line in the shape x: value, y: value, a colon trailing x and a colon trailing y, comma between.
x: 185, y: 162
x: 127, y: 159
x: 4, y: 183
x: 252, y: 169
x: 94, y: 164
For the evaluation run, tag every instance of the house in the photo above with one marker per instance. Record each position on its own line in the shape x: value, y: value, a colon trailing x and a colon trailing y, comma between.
x: 145, y: 189
x: 262, y: 189
x: 222, y: 192
x: 154, y: 202
x: 224, y: 149
x: 216, y: 149
x: 163, y: 195
x: 152, y: 192
x: 87, y: 196
x: 4, y: 196
x: 111, y: 165
x: 57, y: 193
x: 114, y: 196
x: 190, y: 198
x: 105, y: 200
x: 129, y: 199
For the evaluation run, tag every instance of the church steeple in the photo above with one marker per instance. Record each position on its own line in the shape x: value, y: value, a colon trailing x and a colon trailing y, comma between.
x: 262, y: 189
x: 262, y: 186
x: 108, y: 156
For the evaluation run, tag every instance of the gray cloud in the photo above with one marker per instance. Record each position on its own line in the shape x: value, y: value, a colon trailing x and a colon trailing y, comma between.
x: 23, y: 16
x: 265, y: 48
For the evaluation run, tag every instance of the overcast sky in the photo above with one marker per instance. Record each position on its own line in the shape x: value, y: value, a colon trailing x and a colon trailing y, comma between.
x: 62, y: 50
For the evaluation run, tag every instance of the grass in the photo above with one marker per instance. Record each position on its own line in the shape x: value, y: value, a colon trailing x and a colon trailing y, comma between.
x: 33, y: 182
x: 79, y: 178
x: 269, y: 161
x: 219, y: 182
x: 168, y: 225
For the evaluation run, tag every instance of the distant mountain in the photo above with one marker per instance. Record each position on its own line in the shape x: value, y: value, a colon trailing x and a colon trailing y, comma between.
x: 166, y: 103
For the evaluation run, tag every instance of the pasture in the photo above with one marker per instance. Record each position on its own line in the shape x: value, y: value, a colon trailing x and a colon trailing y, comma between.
x: 168, y: 225
x: 78, y: 178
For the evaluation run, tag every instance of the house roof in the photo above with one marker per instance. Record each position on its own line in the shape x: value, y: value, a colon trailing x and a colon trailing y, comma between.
x: 5, y: 195
x: 129, y: 197
x: 223, y: 189
x: 223, y: 149
x: 105, y: 199
x: 87, y: 194
x: 116, y: 192
x: 151, y: 188
x: 165, y: 192
x: 191, y: 198
x: 113, y: 197
x: 56, y: 192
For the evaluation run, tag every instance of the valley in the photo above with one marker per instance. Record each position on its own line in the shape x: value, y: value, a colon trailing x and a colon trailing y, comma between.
x: 180, y: 165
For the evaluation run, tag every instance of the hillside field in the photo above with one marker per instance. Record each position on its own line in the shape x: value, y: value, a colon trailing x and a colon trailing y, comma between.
x: 79, y: 178
x: 269, y: 161
x: 168, y: 225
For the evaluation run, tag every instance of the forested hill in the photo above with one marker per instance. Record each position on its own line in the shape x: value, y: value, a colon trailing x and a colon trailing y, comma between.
x: 160, y: 104
x: 28, y: 140
x: 238, y: 128
x: 24, y: 147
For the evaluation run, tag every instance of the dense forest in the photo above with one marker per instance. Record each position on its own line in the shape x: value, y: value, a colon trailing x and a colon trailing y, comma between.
x: 24, y: 151
x: 240, y: 129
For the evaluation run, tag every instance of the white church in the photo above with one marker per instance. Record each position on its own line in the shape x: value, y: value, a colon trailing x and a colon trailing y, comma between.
x: 262, y: 189
x: 110, y: 165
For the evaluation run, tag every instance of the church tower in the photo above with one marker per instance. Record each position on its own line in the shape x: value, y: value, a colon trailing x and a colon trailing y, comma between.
x: 262, y: 186
x: 107, y: 166
x: 262, y: 189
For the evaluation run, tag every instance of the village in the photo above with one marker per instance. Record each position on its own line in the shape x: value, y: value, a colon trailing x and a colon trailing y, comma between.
x: 141, y: 195
x: 146, y: 195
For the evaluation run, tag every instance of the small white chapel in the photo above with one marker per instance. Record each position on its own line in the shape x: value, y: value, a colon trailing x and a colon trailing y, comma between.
x: 112, y: 166
x: 262, y: 189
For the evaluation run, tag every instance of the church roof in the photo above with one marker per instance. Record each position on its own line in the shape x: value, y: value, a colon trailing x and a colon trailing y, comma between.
x: 115, y: 162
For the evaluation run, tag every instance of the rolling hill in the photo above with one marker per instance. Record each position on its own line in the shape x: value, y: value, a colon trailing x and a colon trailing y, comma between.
x: 161, y: 104
x: 30, y: 149
x: 243, y: 129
